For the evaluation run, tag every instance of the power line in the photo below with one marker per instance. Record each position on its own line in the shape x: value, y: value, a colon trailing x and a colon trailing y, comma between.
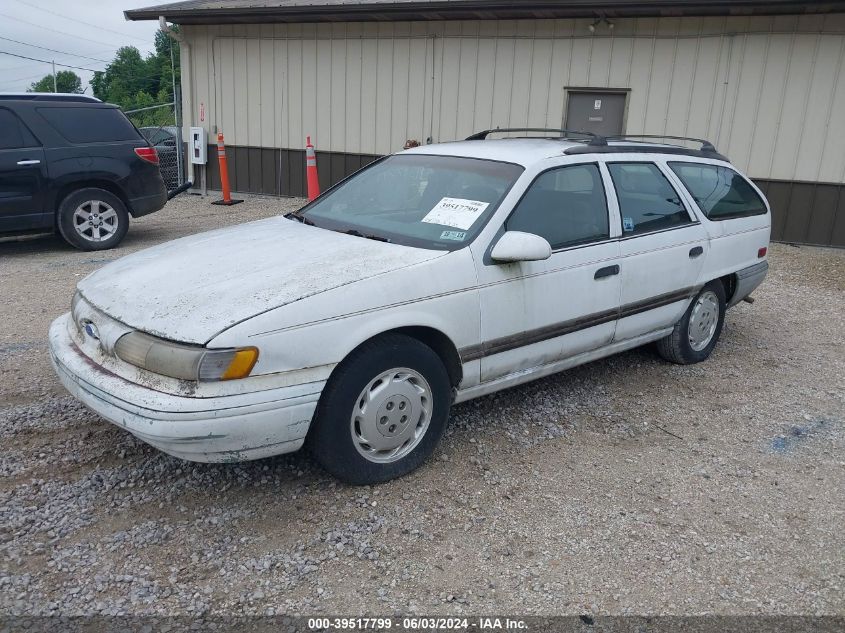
x: 27, y: 78
x: 48, y: 61
x: 96, y: 26
x: 47, y: 28
x: 53, y: 50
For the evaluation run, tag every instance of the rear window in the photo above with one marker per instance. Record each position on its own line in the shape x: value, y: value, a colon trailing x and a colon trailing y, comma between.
x: 90, y: 125
x: 647, y: 201
x: 720, y: 192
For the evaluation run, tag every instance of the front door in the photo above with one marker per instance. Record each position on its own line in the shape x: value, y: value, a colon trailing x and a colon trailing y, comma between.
x: 536, y: 313
x: 601, y: 113
x: 22, y: 177
x: 663, y: 248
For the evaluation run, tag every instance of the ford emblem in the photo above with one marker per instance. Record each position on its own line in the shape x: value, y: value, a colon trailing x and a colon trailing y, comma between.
x: 90, y: 329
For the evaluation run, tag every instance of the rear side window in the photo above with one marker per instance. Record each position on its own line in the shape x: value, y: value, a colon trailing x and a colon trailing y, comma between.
x: 90, y: 125
x: 720, y: 192
x: 647, y: 201
x: 567, y: 206
x: 13, y: 133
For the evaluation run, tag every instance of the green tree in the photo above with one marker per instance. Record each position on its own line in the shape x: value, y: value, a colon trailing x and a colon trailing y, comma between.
x: 66, y: 81
x: 132, y: 81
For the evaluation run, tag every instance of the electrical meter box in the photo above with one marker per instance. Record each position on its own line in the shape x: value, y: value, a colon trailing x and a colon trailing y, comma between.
x: 198, y: 146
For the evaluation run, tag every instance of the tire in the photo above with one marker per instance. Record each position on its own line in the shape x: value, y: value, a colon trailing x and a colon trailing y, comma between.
x: 413, y: 379
x: 697, y: 333
x: 108, y: 219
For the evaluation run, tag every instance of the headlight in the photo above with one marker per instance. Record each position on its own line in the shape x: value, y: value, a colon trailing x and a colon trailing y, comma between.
x: 187, y: 362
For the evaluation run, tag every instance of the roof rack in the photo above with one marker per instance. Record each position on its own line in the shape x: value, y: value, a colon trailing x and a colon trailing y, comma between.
x: 599, y: 144
x: 47, y: 96
x: 480, y: 136
x: 596, y: 144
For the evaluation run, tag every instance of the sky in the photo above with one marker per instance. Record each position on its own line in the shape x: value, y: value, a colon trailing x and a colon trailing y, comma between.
x: 83, y: 33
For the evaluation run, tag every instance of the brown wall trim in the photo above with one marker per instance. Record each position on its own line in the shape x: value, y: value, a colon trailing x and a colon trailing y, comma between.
x: 806, y: 212
x: 802, y: 212
x: 278, y: 172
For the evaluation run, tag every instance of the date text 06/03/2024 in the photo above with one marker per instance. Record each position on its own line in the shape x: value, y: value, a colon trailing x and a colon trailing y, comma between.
x: 417, y: 624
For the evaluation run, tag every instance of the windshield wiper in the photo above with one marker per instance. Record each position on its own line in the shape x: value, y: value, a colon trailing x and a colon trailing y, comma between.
x: 296, y: 215
x: 369, y: 237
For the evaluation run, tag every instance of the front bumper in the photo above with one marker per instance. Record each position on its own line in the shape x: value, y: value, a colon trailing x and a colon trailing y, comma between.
x: 230, y: 428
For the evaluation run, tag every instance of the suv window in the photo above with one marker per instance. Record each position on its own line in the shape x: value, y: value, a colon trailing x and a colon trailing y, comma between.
x: 90, y: 125
x: 565, y: 205
x: 720, y: 192
x: 647, y: 201
x: 13, y: 133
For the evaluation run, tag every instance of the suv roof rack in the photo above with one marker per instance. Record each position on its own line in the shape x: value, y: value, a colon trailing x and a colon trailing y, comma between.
x: 600, y: 144
x: 481, y: 136
x: 47, y: 96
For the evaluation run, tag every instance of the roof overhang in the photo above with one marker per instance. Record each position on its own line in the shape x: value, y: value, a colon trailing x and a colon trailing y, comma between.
x: 222, y: 12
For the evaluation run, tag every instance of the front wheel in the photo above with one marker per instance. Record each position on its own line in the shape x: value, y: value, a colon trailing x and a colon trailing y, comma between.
x: 93, y: 219
x: 697, y: 333
x: 382, y: 412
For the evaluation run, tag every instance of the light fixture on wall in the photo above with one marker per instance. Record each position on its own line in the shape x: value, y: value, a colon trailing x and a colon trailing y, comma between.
x: 599, y: 22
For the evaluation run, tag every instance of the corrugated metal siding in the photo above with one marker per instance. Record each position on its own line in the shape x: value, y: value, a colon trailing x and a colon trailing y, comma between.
x: 769, y: 91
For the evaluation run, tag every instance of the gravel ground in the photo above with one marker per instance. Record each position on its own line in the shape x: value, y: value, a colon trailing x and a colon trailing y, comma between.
x: 625, y: 486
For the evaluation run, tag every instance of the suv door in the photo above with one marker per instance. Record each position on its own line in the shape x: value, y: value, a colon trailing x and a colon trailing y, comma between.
x: 536, y: 313
x: 23, y: 177
x: 663, y: 248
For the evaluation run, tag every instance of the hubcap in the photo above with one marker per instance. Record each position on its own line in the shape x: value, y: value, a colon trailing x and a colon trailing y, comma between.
x: 391, y: 415
x: 703, y: 320
x: 95, y: 220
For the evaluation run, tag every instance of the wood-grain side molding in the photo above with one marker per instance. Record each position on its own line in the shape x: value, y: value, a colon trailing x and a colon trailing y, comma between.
x: 537, y: 335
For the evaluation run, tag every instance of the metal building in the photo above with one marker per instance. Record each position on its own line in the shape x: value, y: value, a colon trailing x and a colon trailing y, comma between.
x: 764, y: 80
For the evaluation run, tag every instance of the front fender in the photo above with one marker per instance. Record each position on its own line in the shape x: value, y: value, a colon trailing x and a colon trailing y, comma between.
x: 320, y: 331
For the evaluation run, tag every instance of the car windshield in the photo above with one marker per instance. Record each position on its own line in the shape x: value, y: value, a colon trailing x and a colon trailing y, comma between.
x: 437, y: 202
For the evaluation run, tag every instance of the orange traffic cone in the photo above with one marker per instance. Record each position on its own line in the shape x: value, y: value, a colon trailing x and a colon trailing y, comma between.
x: 224, y: 173
x: 311, y: 170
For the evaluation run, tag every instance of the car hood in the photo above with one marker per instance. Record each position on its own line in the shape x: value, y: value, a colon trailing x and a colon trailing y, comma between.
x: 193, y: 288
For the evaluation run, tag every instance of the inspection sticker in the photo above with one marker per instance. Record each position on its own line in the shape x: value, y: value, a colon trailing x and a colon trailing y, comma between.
x: 627, y: 224
x: 456, y: 212
x: 457, y: 236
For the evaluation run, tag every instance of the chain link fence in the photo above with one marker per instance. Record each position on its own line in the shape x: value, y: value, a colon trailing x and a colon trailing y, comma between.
x: 161, y: 125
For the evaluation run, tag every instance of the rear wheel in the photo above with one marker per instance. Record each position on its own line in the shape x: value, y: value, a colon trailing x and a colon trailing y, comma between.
x: 382, y: 412
x: 93, y: 219
x: 697, y: 333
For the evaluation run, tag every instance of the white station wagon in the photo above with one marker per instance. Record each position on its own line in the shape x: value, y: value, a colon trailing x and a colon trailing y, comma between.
x: 433, y: 276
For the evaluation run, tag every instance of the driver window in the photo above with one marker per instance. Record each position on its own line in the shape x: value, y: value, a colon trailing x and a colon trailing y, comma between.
x: 566, y: 205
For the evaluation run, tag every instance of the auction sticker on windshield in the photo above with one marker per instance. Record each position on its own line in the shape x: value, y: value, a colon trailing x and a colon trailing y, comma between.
x: 456, y: 212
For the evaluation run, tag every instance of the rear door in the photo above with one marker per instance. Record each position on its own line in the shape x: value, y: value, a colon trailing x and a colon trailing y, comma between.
x: 537, y: 313
x: 735, y: 213
x: 663, y: 248
x: 23, y: 177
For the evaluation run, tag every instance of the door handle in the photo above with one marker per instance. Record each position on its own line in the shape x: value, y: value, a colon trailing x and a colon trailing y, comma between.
x: 607, y: 271
x: 695, y: 251
x: 29, y: 162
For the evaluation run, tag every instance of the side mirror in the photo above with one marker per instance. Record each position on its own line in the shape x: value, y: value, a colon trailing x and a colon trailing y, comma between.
x: 516, y: 246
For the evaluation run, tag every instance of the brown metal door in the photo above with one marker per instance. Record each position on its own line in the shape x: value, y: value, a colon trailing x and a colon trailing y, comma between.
x: 598, y: 112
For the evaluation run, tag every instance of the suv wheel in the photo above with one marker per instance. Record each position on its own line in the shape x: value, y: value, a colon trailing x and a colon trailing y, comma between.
x: 697, y: 333
x: 93, y: 219
x: 382, y: 412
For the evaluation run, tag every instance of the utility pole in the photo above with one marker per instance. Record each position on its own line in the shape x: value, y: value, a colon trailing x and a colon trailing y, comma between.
x: 55, y: 87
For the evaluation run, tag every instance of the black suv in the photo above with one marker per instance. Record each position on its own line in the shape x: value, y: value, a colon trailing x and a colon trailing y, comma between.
x: 74, y: 164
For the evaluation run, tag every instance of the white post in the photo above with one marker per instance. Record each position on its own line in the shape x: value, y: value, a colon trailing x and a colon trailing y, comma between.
x: 55, y: 88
